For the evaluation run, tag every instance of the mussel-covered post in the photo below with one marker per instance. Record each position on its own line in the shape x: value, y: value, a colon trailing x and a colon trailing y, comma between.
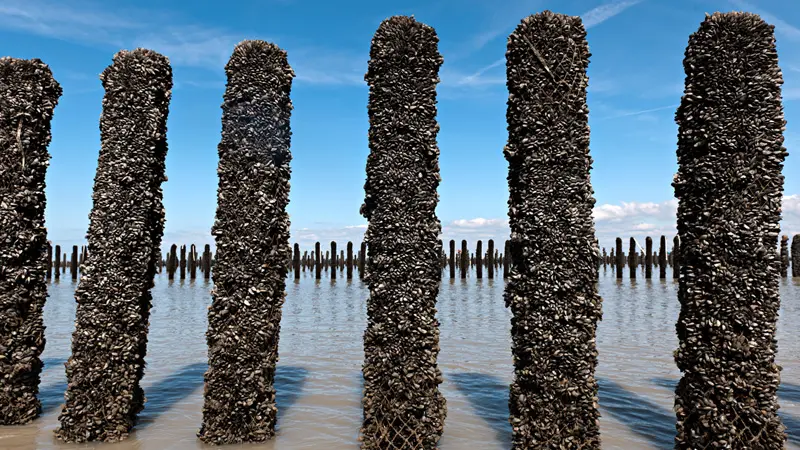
x: 648, y: 269
x: 729, y: 187
x: 318, y: 260
x: 795, y: 255
x: 620, y: 259
x: 464, y: 259
x: 296, y: 265
x: 662, y: 258
x: 676, y: 257
x: 490, y: 259
x: 403, y: 407
x: 784, y: 256
x: 249, y: 280
x: 552, y: 291
x: 633, y: 265
x: 109, y: 344
x: 28, y: 97
x: 333, y: 260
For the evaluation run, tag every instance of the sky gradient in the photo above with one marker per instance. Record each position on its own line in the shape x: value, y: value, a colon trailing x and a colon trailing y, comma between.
x: 635, y: 84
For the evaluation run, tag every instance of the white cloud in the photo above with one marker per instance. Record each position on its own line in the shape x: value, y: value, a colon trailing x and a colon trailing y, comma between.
x: 644, y: 226
x: 591, y: 18
x: 623, y: 220
x: 781, y: 26
x: 600, y: 14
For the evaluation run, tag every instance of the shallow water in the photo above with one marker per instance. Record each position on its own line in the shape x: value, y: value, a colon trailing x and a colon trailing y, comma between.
x: 319, y: 374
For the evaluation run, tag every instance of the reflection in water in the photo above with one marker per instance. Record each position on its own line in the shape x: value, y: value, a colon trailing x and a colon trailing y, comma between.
x: 489, y: 397
x: 319, y: 383
x: 653, y: 423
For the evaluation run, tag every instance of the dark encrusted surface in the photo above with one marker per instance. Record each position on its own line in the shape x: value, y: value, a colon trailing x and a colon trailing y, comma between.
x: 729, y: 187
x: 551, y: 290
x: 126, y: 224
x: 251, y: 232
x: 403, y: 407
x: 28, y: 97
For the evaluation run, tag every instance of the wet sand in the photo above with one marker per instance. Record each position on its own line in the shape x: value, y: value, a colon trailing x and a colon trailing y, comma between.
x: 319, y: 373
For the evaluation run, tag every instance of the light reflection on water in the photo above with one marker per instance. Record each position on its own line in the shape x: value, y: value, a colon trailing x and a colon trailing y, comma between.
x: 319, y: 373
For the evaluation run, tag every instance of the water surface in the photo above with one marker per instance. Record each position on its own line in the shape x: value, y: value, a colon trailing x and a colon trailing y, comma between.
x: 319, y: 374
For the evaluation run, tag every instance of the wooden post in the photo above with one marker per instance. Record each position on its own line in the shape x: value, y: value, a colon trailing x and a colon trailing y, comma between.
x: 362, y: 260
x: 207, y: 261
x: 795, y: 255
x: 490, y: 262
x: 633, y: 265
x: 250, y: 287
x: 464, y: 259
x: 73, y: 263
x: 192, y: 262
x: 729, y: 186
x: 553, y: 294
x: 28, y: 97
x: 104, y: 395
x: 620, y: 261
x: 183, y: 262
x: 402, y: 404
x: 49, y: 273
x: 662, y: 258
x: 676, y: 257
x: 173, y: 250
x: 296, y: 261
x: 452, y: 259
x: 478, y: 261
x: 318, y: 260
x: 506, y: 259
x: 349, y: 260
x: 784, y: 256
x: 334, y: 266
x: 648, y: 270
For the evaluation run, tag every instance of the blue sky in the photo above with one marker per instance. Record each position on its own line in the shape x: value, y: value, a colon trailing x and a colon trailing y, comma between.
x: 635, y: 85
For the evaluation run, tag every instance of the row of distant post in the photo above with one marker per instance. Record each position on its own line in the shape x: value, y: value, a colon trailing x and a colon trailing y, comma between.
x: 185, y: 261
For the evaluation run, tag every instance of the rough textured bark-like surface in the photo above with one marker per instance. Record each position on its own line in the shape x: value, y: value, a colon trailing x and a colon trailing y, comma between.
x: 126, y: 225
x: 729, y: 187
x: 28, y: 97
x: 333, y: 260
x: 633, y: 256
x: 490, y: 259
x: 795, y: 255
x: 552, y: 288
x: 464, y: 258
x: 349, y: 260
x: 362, y: 260
x: 251, y: 231
x: 784, y: 256
x: 403, y: 407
